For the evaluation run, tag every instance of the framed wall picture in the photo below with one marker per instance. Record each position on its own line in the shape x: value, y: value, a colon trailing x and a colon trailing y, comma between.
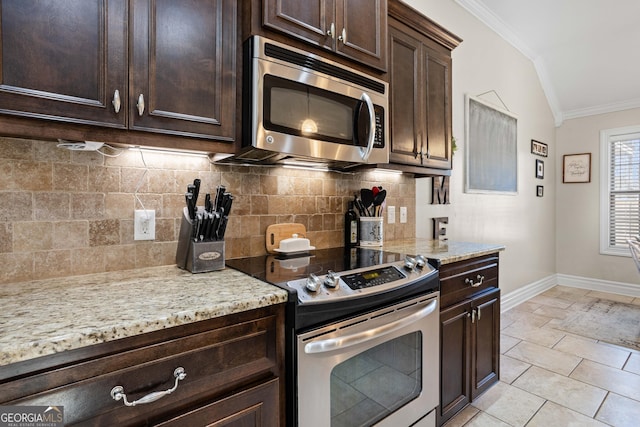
x: 576, y: 168
x: 539, y: 190
x: 539, y: 169
x: 539, y: 148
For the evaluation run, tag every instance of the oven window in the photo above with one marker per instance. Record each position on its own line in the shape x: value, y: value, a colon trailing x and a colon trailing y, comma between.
x: 298, y: 109
x: 371, y: 385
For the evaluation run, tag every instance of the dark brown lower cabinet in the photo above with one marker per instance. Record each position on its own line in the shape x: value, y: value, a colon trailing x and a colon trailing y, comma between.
x: 233, y: 365
x: 469, y: 333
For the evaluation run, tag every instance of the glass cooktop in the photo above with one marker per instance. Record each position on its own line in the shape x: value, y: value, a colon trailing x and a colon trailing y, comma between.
x: 278, y: 269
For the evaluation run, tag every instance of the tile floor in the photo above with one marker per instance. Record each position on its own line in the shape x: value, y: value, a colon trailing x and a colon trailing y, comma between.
x: 550, y: 378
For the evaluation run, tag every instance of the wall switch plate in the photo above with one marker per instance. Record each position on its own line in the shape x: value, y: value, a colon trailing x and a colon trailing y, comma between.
x: 391, y: 214
x: 144, y: 224
x: 403, y: 214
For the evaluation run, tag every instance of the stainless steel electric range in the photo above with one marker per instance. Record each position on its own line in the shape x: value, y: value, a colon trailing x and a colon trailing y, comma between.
x: 362, y: 328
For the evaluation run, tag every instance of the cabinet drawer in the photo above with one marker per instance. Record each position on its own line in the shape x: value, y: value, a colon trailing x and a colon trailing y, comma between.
x: 463, y: 279
x: 217, y: 361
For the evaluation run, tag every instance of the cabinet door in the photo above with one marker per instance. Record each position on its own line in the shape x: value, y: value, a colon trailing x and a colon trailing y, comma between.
x: 455, y: 353
x: 437, y: 75
x: 256, y: 407
x: 183, y: 67
x: 406, y: 92
x: 485, y: 370
x: 64, y: 59
x: 309, y: 20
x: 361, y: 27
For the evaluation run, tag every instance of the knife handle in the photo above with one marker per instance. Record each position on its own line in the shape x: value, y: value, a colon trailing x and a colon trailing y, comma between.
x: 196, y: 191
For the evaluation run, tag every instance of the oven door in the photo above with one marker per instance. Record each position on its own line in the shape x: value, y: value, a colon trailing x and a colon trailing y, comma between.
x: 380, y: 368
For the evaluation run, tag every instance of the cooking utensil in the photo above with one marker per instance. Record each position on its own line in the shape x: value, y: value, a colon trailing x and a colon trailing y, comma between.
x: 377, y: 202
x: 366, y: 196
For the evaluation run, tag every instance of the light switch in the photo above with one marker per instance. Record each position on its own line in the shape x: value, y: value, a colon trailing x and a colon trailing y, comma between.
x: 403, y: 214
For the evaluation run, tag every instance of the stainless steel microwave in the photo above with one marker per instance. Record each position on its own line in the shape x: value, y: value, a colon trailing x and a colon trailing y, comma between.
x: 299, y: 106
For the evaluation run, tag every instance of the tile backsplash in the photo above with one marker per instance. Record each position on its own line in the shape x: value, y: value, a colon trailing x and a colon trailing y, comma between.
x: 65, y: 213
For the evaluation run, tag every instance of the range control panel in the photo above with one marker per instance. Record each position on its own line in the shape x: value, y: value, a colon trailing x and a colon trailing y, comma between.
x: 334, y: 286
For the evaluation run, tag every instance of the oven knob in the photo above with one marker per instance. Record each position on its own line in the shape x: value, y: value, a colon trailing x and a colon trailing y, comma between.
x: 409, y: 263
x: 313, y: 283
x: 332, y: 280
x: 421, y: 261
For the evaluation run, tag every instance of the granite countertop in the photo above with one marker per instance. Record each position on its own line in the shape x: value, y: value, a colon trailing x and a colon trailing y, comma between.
x: 44, y: 317
x: 447, y: 252
x: 49, y: 316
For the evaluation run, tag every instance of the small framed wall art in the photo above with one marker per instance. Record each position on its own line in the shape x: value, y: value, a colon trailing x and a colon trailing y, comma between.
x: 539, y: 169
x: 576, y: 168
x: 539, y: 148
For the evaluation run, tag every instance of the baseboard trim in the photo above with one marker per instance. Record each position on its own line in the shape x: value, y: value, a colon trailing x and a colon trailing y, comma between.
x: 512, y: 299
x: 621, y: 288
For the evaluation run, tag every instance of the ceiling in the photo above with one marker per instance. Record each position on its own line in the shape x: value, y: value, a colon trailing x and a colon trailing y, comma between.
x: 586, y: 52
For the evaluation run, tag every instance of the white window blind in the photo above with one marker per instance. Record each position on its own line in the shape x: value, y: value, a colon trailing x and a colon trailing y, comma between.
x: 620, y: 198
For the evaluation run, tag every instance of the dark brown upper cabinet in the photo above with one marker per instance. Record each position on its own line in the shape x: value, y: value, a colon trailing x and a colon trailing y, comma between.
x: 160, y: 66
x: 64, y: 60
x: 356, y: 29
x: 183, y: 67
x: 419, y: 90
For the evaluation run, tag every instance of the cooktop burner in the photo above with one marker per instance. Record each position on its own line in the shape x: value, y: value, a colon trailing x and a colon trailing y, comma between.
x: 277, y: 269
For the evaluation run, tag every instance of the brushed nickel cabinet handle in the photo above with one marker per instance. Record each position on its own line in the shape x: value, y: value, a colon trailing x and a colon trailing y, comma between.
x: 332, y: 31
x: 471, y: 283
x: 116, y: 101
x: 343, y: 37
x: 117, y: 393
x: 140, y: 104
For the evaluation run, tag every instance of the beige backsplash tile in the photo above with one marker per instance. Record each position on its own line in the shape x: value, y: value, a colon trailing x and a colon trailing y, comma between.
x: 66, y: 213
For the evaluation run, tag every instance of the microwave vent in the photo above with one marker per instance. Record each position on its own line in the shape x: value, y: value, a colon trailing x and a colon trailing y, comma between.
x: 316, y: 64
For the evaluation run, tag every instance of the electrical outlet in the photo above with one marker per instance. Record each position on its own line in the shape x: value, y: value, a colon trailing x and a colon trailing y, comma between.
x: 144, y: 225
x: 403, y: 214
x: 391, y: 214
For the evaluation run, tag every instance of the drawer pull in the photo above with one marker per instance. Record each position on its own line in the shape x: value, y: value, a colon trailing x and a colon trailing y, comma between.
x: 476, y: 284
x: 117, y: 393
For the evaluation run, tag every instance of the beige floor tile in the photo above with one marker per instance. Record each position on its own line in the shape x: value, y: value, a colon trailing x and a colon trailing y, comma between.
x: 621, y: 382
x: 552, y: 360
x: 607, y: 355
x: 462, y: 417
x: 551, y: 301
x: 554, y: 312
x: 486, y: 420
x: 609, y: 296
x: 510, y: 369
x: 552, y: 414
x: 509, y: 404
x: 525, y: 332
x: 570, y: 393
x: 522, y: 317
x: 565, y: 292
x: 633, y: 364
x: 528, y: 306
x: 619, y: 411
x: 507, y: 342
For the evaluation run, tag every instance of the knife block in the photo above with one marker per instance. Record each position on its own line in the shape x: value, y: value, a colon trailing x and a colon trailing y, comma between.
x: 197, y: 257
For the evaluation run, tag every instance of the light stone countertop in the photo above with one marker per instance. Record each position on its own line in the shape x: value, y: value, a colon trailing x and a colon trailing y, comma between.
x: 49, y: 316
x: 447, y: 252
x: 44, y: 317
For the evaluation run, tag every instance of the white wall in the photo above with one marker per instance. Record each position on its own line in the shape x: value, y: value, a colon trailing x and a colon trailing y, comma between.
x: 524, y: 223
x: 578, y: 205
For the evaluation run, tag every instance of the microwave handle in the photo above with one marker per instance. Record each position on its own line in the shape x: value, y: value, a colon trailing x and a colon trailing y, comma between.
x: 365, y: 152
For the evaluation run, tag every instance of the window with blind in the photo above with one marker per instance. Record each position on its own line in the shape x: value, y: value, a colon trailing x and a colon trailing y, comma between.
x: 619, y: 189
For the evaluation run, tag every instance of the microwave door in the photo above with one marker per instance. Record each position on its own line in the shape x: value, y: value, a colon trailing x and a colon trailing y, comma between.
x: 365, y: 125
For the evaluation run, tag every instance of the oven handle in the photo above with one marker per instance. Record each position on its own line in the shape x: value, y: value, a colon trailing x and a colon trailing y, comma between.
x: 364, y: 336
